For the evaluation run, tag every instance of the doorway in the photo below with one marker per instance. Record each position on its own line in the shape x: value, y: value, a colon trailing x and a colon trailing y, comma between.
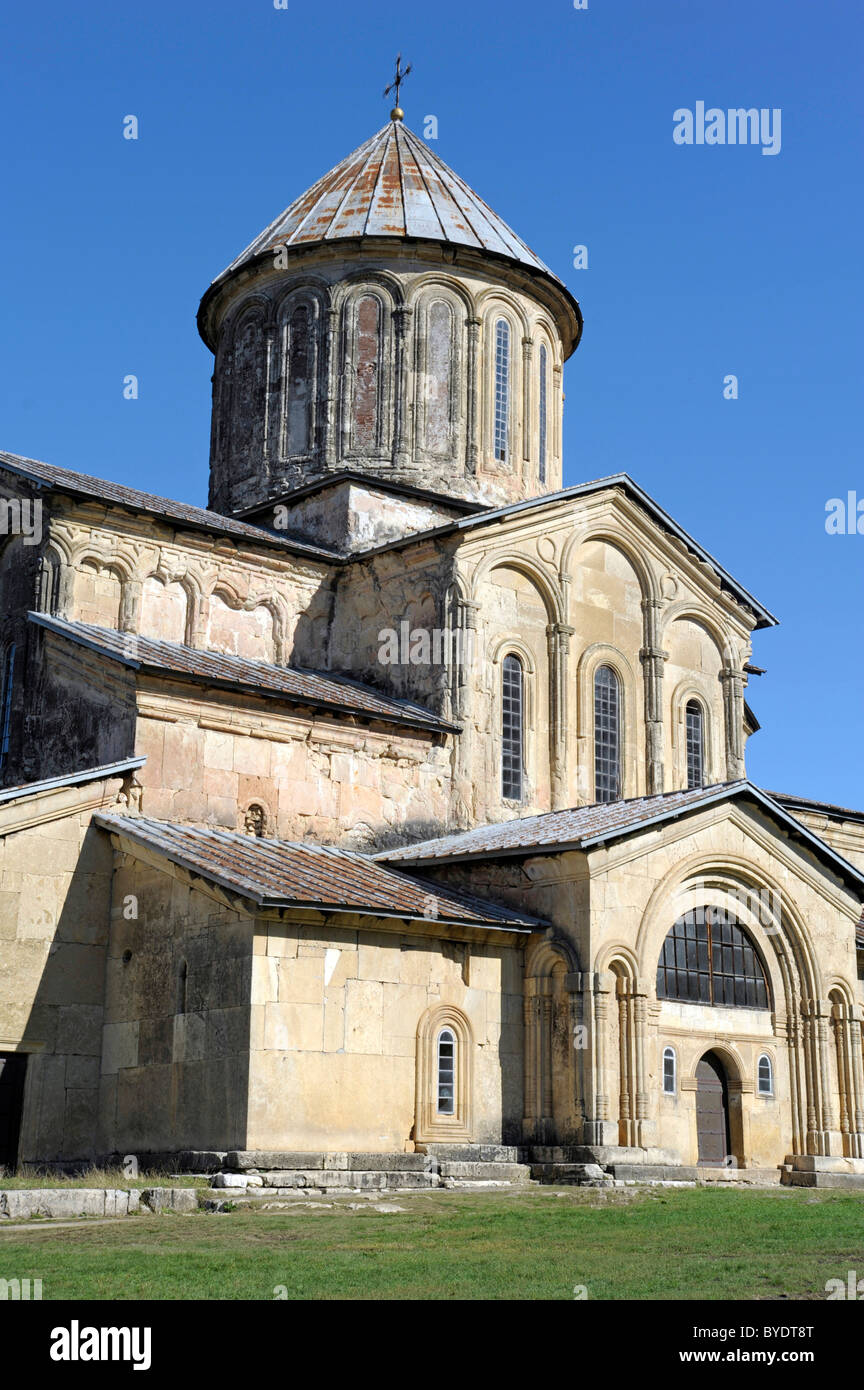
x: 12, y: 1068
x: 712, y: 1112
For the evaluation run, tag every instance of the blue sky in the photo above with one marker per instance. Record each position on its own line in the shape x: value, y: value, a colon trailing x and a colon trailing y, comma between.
x: 702, y: 261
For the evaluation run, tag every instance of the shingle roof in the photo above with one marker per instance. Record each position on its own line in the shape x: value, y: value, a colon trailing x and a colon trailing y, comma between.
x: 280, y: 873
x: 393, y: 185
x: 195, y: 518
x: 586, y: 827
x: 291, y: 683
x: 825, y: 808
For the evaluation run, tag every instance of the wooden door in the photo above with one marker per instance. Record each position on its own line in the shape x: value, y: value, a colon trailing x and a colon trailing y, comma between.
x: 712, y: 1112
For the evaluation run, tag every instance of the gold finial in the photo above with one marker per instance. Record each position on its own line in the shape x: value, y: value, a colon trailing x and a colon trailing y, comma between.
x: 397, y: 114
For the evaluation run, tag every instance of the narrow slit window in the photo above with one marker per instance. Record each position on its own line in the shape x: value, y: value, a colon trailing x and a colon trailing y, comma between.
x: 542, y: 413
x: 695, y: 744
x: 446, y: 1073
x: 502, y: 389
x: 512, y: 728
x: 607, y: 736
x: 669, y: 1069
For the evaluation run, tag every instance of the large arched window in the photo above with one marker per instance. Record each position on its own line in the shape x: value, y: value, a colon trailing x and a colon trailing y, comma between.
x: 444, y: 1097
x: 543, y: 411
x: 695, y: 744
x: 708, y: 958
x: 502, y: 390
x: 512, y: 728
x: 607, y: 735
x: 6, y: 702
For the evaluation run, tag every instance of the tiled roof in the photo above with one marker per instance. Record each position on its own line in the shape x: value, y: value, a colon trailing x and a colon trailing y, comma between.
x: 71, y: 779
x: 196, y: 518
x: 585, y: 827
x: 574, y: 828
x: 394, y: 185
x: 279, y: 873
x: 825, y: 808
x: 291, y: 683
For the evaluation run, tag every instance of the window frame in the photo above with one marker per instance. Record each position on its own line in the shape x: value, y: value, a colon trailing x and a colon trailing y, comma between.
x: 607, y: 795
x: 690, y: 753
x: 686, y: 957
x: 669, y: 1055
x: 509, y: 738
x: 502, y: 389
x: 760, y: 1089
x: 445, y: 1077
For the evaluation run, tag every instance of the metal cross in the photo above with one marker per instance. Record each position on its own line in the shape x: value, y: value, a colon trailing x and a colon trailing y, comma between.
x: 401, y: 74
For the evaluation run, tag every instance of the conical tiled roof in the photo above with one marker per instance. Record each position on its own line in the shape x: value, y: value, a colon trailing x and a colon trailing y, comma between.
x: 393, y: 185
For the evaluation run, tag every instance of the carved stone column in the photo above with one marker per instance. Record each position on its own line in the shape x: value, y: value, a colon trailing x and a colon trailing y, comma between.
x: 653, y: 659
x: 558, y: 646
x: 474, y: 401
x: 733, y: 707
x: 402, y: 320
x: 330, y: 376
x: 527, y: 345
x: 130, y: 605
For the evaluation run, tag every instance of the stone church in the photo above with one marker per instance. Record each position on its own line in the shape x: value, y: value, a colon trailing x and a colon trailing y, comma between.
x: 396, y: 803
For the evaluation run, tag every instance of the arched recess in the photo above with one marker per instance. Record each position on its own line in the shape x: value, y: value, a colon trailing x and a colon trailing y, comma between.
x: 244, y: 628
x: 432, y: 1124
x: 738, y: 1085
x: 845, y: 1073
x: 767, y: 911
x: 164, y: 612
x: 295, y: 381
x: 492, y: 310
x: 696, y: 688
x: 557, y: 1046
x: 98, y: 591
x: 366, y: 378
x: 695, y: 664
x: 250, y: 367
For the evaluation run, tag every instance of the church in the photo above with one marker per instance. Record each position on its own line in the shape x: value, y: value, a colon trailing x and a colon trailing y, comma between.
x: 391, y: 814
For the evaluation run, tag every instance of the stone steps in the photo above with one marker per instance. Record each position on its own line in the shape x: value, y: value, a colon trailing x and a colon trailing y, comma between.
x: 463, y: 1174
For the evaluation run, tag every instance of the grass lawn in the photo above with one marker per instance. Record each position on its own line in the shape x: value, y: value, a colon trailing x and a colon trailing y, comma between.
x: 658, y: 1244
x: 98, y: 1177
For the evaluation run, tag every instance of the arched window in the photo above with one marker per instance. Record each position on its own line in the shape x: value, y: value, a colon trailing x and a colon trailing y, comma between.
x: 446, y: 1088
x: 512, y: 728
x: 670, y: 1069
x: 607, y: 735
x: 542, y: 387
x: 695, y: 744
x: 255, y: 820
x: 6, y: 702
x: 765, y: 1075
x: 502, y: 389
x: 708, y: 958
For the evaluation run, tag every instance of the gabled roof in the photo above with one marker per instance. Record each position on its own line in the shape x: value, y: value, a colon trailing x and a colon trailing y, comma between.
x: 588, y: 827
x: 294, y: 684
x: 614, y: 480
x: 181, y: 513
x: 280, y: 873
x: 393, y: 185
x: 71, y: 779
x: 822, y: 808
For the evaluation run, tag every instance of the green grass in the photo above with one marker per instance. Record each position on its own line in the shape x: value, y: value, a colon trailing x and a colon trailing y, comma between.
x: 31, y: 1178
x: 539, y: 1244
